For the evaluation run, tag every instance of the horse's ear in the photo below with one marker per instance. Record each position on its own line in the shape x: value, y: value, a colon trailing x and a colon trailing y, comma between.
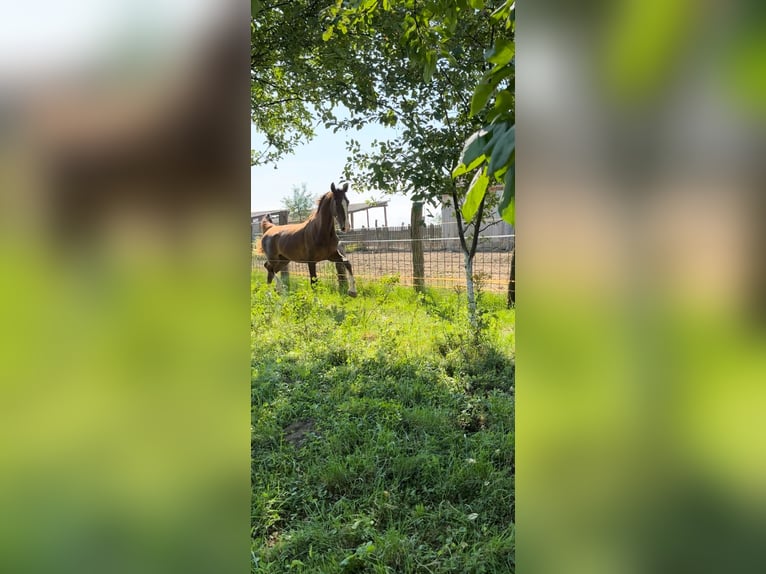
x: 332, y: 187
x: 345, y: 187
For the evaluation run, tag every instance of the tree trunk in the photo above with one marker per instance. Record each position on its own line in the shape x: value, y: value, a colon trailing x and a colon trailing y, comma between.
x: 469, y: 290
x: 468, y: 253
x: 416, y: 235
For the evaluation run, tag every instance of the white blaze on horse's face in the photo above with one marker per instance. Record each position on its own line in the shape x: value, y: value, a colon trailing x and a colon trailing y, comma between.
x: 341, y: 206
x: 341, y: 215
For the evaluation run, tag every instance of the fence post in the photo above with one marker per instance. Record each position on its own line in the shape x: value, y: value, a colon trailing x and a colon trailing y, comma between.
x: 416, y: 236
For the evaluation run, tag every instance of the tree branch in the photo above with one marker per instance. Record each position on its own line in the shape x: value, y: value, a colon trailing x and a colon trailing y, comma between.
x: 458, y: 218
x: 490, y: 224
x: 476, y: 225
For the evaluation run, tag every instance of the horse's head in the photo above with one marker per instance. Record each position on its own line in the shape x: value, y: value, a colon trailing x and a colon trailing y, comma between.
x: 340, y: 206
x: 266, y: 223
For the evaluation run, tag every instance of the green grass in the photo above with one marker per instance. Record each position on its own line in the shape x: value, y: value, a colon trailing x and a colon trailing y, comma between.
x: 382, y: 432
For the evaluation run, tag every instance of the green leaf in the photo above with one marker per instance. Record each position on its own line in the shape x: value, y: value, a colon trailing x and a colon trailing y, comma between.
x: 472, y: 155
x: 498, y: 74
x: 463, y: 169
x: 502, y: 52
x: 327, y: 34
x: 504, y: 101
x: 498, y: 132
x: 430, y: 66
x: 493, y: 114
x: 507, y: 10
x: 488, y: 85
x: 475, y: 194
x: 480, y: 96
x: 507, y: 207
x: 476, y: 4
x: 502, y: 151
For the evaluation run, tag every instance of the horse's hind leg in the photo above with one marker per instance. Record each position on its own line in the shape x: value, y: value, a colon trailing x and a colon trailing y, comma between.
x: 313, y: 273
x: 270, y: 276
x: 276, y: 267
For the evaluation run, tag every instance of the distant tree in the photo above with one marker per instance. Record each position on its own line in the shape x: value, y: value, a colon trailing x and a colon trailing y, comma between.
x: 300, y: 205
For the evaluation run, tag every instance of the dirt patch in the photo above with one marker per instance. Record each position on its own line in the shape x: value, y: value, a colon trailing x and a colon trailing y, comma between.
x: 296, y: 433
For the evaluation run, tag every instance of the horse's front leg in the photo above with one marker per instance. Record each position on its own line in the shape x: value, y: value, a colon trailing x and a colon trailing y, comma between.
x: 313, y: 272
x: 340, y: 269
x: 339, y: 258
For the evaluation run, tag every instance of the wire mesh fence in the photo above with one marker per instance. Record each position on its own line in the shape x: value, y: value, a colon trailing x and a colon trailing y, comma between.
x: 391, y: 252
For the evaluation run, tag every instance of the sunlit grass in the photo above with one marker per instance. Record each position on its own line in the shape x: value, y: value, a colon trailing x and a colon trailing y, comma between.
x: 382, y: 431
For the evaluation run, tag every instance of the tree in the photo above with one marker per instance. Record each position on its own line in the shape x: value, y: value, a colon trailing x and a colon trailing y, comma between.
x: 300, y: 205
x: 279, y: 38
x: 432, y: 55
x: 492, y: 149
x: 412, y: 65
x: 300, y: 75
x: 291, y: 73
x: 437, y: 35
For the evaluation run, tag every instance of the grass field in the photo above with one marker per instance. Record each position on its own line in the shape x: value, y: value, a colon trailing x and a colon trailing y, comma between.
x: 382, y: 431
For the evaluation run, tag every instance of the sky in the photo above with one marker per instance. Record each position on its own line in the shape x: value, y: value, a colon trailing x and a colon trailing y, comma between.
x: 317, y: 164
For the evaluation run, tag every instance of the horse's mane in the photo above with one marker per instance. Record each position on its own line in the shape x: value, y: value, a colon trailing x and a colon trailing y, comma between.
x: 320, y: 202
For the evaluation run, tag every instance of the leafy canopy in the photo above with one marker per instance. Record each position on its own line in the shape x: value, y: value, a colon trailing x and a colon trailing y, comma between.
x: 398, y: 63
x: 457, y: 48
x: 492, y: 150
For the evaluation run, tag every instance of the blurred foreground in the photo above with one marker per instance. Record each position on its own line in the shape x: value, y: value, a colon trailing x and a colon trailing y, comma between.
x: 124, y: 289
x: 642, y: 323
x: 123, y: 415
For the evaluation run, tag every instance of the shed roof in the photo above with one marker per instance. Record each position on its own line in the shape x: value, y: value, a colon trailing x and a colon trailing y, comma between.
x: 354, y: 207
x: 260, y: 214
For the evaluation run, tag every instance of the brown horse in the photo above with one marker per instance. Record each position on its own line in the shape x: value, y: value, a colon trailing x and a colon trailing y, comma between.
x: 312, y: 241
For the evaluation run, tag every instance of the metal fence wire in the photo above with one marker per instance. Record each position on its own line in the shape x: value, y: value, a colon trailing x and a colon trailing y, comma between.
x: 392, y: 253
